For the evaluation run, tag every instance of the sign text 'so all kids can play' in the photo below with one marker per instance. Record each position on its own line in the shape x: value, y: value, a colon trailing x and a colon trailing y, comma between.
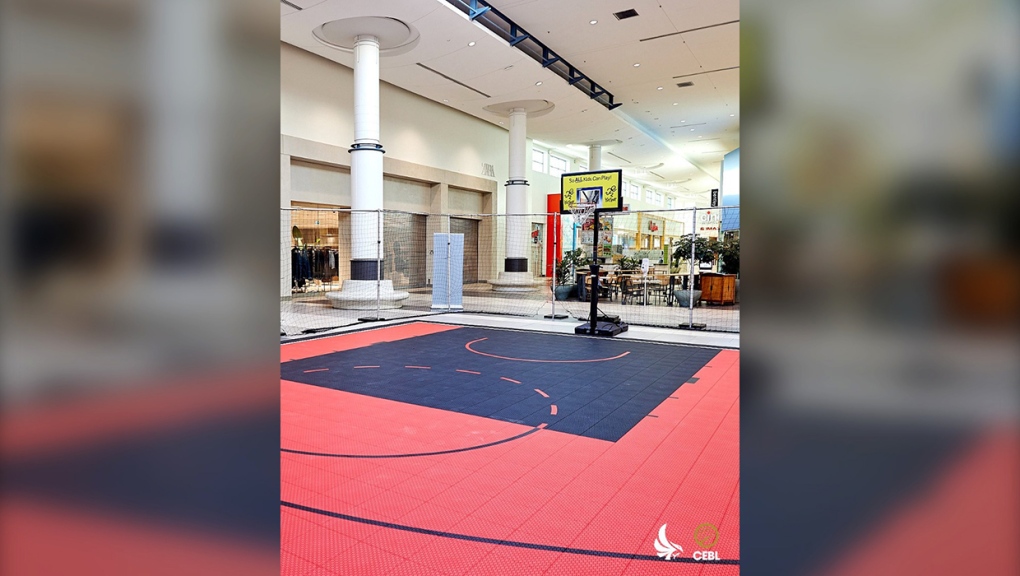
x: 601, y: 188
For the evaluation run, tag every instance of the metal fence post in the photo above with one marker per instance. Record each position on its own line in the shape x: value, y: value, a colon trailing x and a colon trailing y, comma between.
x: 555, y: 236
x: 690, y: 285
x: 449, y: 269
x: 378, y: 263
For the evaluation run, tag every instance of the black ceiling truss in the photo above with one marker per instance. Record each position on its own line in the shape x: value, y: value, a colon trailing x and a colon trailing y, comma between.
x: 493, y: 20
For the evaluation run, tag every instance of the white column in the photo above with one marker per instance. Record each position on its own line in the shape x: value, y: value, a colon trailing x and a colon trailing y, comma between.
x: 515, y: 276
x: 366, y: 161
x: 366, y: 290
x: 594, y: 157
x: 517, y: 229
x: 285, y: 226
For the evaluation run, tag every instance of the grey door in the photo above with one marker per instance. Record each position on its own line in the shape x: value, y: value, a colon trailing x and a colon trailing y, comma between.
x: 469, y: 228
x: 405, y: 249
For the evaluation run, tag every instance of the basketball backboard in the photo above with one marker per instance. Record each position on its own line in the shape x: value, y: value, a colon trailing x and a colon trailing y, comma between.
x: 601, y: 188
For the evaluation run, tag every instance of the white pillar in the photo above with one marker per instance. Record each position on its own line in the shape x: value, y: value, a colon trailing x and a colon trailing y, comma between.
x: 594, y: 157
x: 515, y: 276
x: 366, y: 290
x: 366, y: 161
x: 517, y: 233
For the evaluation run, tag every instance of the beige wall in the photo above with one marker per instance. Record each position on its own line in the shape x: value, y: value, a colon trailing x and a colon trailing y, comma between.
x: 320, y: 183
x: 316, y: 104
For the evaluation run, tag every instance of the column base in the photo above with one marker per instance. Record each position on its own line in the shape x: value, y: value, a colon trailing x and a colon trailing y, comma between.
x: 516, y: 282
x: 361, y: 295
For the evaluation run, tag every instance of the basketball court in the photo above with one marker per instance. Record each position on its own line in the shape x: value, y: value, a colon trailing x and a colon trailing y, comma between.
x: 430, y: 448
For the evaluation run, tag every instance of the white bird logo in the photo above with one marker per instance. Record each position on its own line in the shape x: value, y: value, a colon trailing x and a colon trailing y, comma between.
x: 665, y: 548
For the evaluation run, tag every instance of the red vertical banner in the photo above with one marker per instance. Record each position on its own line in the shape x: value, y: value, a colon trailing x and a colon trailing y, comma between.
x: 554, y: 237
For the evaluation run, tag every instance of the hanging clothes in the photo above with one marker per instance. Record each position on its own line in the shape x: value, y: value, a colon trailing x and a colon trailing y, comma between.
x: 300, y: 268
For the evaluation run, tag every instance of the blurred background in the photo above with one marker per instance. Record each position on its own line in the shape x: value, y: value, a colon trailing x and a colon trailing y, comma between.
x: 881, y: 297
x: 879, y: 342
x: 139, y: 166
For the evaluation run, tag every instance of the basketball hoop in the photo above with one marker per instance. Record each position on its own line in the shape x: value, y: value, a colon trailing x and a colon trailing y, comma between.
x: 582, y: 212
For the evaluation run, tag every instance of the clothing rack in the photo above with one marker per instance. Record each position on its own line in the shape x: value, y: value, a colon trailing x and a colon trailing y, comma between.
x: 313, y: 263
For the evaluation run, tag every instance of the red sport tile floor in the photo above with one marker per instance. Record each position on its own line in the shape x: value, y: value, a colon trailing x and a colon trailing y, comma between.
x: 433, y: 449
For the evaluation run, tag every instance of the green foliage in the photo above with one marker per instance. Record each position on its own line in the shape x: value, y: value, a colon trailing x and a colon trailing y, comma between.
x: 729, y: 256
x: 572, y: 259
x: 705, y: 250
x: 629, y: 263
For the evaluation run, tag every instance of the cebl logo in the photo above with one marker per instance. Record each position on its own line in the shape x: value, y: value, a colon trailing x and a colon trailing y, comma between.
x: 705, y: 535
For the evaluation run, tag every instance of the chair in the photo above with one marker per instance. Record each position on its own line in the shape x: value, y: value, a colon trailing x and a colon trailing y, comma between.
x: 630, y: 288
x: 604, y: 286
x: 661, y: 290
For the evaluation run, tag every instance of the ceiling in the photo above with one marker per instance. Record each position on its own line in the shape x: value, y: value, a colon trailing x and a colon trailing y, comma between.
x: 681, y: 134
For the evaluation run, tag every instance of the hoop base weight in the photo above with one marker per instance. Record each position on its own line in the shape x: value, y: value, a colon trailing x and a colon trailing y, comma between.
x: 606, y: 329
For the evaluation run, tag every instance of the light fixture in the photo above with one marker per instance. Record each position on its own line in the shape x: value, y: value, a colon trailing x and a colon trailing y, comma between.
x: 731, y: 115
x: 683, y: 120
x: 445, y: 100
x: 471, y: 43
x: 692, y: 129
x: 659, y: 88
x: 539, y: 83
x: 636, y: 64
x: 593, y: 22
x: 674, y: 103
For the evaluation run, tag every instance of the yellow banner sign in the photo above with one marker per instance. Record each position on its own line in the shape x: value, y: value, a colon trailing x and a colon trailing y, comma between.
x: 601, y: 188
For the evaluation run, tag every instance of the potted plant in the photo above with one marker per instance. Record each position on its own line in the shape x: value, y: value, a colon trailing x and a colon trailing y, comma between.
x: 629, y: 263
x: 565, y: 279
x: 729, y: 260
x: 729, y: 256
x: 705, y: 250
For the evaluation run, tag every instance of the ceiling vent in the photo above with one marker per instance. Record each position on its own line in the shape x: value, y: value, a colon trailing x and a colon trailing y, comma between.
x: 684, y: 84
x: 625, y: 14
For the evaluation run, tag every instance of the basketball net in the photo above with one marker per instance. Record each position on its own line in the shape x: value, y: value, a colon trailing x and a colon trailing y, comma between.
x: 582, y: 212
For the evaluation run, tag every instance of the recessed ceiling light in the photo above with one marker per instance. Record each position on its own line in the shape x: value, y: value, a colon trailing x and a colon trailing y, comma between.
x: 636, y: 64
x: 445, y: 100
x: 500, y: 123
x: 659, y: 88
x: 692, y: 129
x: 593, y: 22
x: 731, y: 115
x: 683, y: 120
x: 539, y: 83
x: 674, y: 103
x: 471, y: 43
